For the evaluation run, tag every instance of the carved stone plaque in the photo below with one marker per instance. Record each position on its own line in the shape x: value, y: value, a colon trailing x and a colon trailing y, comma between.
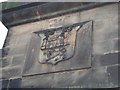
x: 59, y: 49
x: 57, y: 44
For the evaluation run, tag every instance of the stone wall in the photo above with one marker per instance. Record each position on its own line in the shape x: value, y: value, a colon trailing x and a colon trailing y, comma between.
x: 103, y: 71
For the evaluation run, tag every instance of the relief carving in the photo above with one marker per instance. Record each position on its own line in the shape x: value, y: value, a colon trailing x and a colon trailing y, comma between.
x: 57, y: 44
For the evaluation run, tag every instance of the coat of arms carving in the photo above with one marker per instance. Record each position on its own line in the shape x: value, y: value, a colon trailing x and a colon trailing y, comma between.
x: 57, y: 44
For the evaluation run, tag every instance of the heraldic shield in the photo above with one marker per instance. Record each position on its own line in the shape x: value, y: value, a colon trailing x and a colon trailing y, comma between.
x: 57, y: 44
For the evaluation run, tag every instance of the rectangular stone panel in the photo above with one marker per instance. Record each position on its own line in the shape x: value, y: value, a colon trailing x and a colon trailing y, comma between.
x: 60, y: 49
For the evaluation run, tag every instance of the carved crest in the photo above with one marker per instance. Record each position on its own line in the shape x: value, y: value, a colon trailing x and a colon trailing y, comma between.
x: 57, y: 44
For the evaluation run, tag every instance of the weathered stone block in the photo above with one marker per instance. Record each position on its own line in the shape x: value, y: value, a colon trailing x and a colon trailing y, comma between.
x: 85, y: 78
x: 105, y: 46
x: 15, y: 83
x: 11, y: 72
x: 109, y: 59
x: 37, y: 81
x: 5, y: 51
x: 71, y: 79
x: 17, y: 50
x: 18, y: 60
x: 81, y: 78
x: 23, y: 39
x: 4, y: 84
x: 113, y: 75
x: 6, y: 61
